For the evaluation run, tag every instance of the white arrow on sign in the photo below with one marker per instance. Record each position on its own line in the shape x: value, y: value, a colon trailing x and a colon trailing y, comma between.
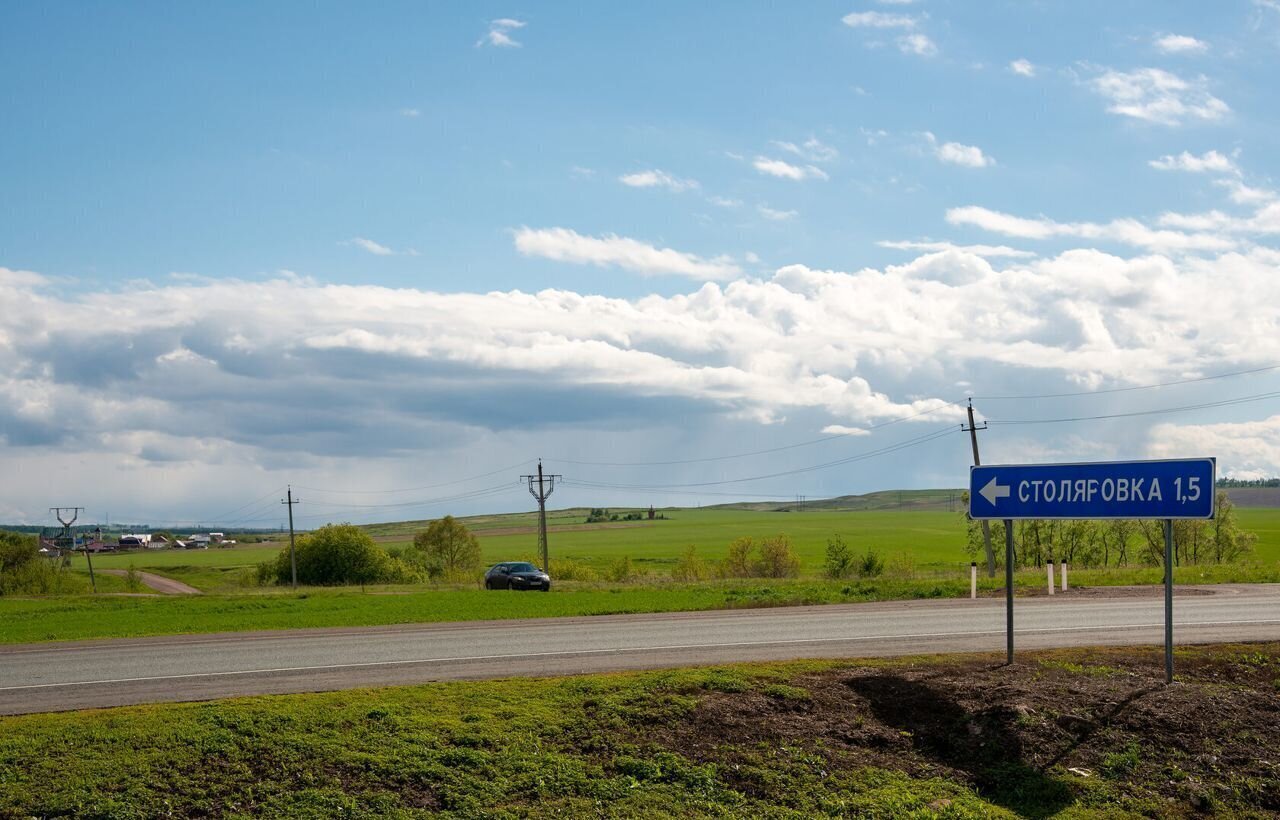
x: 994, y: 491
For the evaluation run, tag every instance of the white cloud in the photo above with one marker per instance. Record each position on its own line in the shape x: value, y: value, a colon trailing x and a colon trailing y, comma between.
x: 1124, y: 231
x: 579, y: 172
x: 994, y: 251
x: 955, y: 153
x: 499, y: 33
x: 725, y: 202
x: 785, y: 170
x: 1242, y: 194
x: 410, y: 112
x: 917, y: 44
x: 1157, y: 96
x: 1249, y: 449
x: 371, y: 246
x: 657, y: 179
x: 1209, y: 161
x: 878, y: 19
x: 776, y: 215
x: 811, y: 149
x: 1023, y: 67
x: 201, y: 370
x: 1180, y: 44
x: 565, y: 245
x: 376, y: 248
x: 844, y: 430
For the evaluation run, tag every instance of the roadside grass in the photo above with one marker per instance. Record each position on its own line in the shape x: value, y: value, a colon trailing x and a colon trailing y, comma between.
x: 929, y: 737
x: 24, y: 620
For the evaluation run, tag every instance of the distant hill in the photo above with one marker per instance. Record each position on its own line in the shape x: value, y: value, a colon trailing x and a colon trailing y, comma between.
x: 935, y: 500
x: 941, y: 500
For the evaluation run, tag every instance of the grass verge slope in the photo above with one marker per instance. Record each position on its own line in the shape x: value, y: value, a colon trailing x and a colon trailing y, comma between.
x: 1068, y: 733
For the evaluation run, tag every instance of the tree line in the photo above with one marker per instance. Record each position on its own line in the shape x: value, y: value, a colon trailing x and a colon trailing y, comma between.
x: 1117, y: 542
x: 342, y: 554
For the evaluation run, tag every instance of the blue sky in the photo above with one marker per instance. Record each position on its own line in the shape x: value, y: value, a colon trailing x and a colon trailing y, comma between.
x: 382, y: 223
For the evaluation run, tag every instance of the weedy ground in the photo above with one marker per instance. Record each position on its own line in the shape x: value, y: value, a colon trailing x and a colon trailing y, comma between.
x: 1066, y: 733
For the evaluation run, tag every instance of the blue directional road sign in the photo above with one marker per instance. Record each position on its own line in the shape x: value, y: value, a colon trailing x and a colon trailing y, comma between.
x: 1181, y: 488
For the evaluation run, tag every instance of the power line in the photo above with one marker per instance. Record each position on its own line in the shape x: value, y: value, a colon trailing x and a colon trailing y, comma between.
x: 605, y: 488
x: 416, y: 489
x: 892, y: 448
x: 333, y: 510
x: 1132, y: 388
x: 809, y: 443
x: 221, y: 516
x: 1153, y: 412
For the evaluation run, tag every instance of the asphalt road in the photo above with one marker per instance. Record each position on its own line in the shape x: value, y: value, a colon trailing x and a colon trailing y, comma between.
x: 60, y: 676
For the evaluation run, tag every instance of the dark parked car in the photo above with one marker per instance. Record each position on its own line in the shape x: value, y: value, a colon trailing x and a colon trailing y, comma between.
x: 516, y: 575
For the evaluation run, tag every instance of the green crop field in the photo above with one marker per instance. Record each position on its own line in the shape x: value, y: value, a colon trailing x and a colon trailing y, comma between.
x: 923, y: 550
x: 927, y: 540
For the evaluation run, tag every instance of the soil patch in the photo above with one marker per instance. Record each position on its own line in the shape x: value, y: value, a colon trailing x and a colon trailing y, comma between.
x: 1031, y: 737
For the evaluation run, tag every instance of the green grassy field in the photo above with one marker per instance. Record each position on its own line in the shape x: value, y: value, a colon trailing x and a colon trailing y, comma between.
x: 929, y: 539
x: 75, y: 617
x: 1068, y: 733
x: 922, y: 548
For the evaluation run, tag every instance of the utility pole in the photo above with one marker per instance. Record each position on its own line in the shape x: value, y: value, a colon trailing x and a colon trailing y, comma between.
x: 74, y: 512
x: 293, y: 560
x: 973, y: 429
x: 540, y: 487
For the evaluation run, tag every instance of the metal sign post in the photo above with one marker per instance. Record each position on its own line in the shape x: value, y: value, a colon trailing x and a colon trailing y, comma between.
x: 1008, y: 585
x: 1169, y: 489
x: 1168, y: 600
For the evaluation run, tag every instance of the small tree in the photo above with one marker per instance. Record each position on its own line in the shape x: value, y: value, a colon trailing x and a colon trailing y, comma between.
x: 737, y: 563
x: 690, y: 567
x: 777, y: 558
x: 447, y: 544
x: 1228, y: 541
x: 839, y: 563
x: 336, y: 554
x: 870, y: 564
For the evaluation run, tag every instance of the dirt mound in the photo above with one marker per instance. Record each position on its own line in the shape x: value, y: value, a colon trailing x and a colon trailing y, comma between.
x: 1024, y: 736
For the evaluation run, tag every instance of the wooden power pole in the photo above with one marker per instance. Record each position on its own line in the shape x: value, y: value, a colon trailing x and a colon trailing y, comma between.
x: 293, y: 560
x: 977, y: 462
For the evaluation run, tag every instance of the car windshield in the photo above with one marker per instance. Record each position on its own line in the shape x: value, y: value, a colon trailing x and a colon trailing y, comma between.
x: 521, y: 568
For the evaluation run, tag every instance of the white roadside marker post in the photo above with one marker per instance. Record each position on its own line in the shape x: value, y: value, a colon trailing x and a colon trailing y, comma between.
x: 1049, y: 568
x: 1064, y: 576
x: 973, y: 579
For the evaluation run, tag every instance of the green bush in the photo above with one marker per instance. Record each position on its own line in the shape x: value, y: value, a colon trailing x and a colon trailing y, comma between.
x: 335, y: 555
x: 690, y: 567
x: 778, y: 558
x: 569, y: 570
x: 737, y: 562
x: 620, y: 570
x: 23, y: 571
x: 870, y: 564
x: 839, y: 563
